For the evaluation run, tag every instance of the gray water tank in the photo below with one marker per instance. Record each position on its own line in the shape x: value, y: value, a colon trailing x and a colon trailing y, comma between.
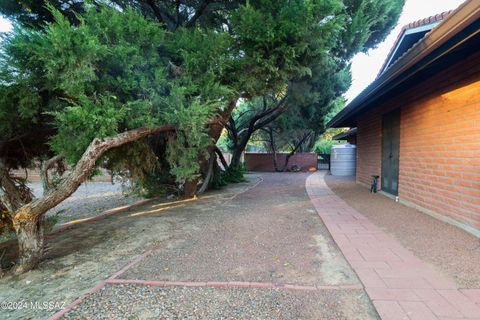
x: 343, y: 159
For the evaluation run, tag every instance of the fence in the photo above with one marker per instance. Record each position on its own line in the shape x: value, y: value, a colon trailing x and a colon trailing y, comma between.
x: 264, y: 161
x: 324, y: 161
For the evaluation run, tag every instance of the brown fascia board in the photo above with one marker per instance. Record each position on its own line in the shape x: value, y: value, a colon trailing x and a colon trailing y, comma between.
x: 454, y: 23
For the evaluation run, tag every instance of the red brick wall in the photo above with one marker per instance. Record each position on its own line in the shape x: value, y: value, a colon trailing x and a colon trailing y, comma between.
x: 264, y: 161
x: 440, y: 154
x: 439, y: 144
x: 369, y: 145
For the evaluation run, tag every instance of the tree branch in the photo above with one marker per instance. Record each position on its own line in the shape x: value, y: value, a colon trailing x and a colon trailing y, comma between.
x: 209, y: 175
x: 276, y: 112
x: 177, y: 12
x: 232, y: 128
x: 198, y: 13
x: 295, y: 148
x: 46, y: 165
x: 81, y: 171
x: 13, y: 193
x: 161, y: 15
x: 222, y: 158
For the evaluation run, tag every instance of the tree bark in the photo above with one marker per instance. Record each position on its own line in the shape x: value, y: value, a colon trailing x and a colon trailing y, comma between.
x: 237, y: 156
x: 28, y: 221
x: 221, y: 157
x: 273, y: 148
x: 46, y: 165
x: 30, y: 244
x: 296, y: 147
x: 190, y: 188
x: 209, y: 175
x: 257, y: 122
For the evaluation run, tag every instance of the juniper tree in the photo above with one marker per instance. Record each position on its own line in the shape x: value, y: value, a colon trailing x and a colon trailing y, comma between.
x: 86, y: 89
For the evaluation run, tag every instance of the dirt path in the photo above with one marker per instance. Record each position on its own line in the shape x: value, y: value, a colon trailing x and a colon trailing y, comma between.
x: 268, y: 237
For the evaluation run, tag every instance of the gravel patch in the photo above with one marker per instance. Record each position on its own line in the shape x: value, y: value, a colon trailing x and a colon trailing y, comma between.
x: 145, y: 302
x: 449, y: 249
x: 267, y: 233
x: 90, y: 200
x: 271, y: 233
x: 77, y: 259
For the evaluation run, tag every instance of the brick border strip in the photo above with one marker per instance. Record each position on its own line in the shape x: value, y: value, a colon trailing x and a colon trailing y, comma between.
x: 101, y: 284
x: 77, y: 301
x: 110, y: 212
x: 208, y: 284
x: 233, y: 284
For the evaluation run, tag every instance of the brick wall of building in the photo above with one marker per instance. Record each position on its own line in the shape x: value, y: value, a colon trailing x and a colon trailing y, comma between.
x: 440, y: 154
x: 264, y: 161
x: 439, y: 144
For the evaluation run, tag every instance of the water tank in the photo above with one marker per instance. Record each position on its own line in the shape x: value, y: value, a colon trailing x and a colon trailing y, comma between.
x: 343, y: 159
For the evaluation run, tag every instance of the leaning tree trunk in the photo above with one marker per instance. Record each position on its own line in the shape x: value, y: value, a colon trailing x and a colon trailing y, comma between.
x: 28, y: 220
x: 295, y: 149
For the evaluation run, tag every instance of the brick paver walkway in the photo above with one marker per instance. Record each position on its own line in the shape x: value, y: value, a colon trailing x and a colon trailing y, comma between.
x: 400, y: 285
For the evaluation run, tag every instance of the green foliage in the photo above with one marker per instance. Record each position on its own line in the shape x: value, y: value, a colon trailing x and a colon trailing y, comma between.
x: 323, y: 146
x: 112, y: 67
x: 276, y: 38
x: 35, y: 12
x: 230, y: 175
x: 87, y: 120
x: 51, y: 221
x: 113, y: 71
x: 314, y: 72
x: 190, y: 142
x: 324, y: 142
x: 368, y: 23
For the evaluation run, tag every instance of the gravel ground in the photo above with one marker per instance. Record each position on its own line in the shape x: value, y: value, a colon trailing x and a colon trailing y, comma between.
x: 271, y: 233
x: 77, y: 259
x: 144, y: 302
x: 90, y: 199
x: 451, y: 250
x: 265, y: 233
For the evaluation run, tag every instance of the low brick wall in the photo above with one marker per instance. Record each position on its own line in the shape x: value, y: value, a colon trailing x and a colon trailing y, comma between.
x: 264, y: 161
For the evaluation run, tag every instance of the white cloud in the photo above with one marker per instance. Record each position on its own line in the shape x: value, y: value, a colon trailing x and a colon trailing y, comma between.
x: 366, y: 66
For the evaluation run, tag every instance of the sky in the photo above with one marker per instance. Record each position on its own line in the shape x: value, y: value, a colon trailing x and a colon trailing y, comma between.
x: 366, y: 66
x: 4, y: 25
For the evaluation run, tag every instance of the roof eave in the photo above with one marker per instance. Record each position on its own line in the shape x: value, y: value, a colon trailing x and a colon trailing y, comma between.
x: 463, y: 16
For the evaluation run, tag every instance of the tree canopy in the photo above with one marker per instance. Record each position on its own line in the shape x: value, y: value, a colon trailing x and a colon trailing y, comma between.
x: 323, y: 70
x: 89, y: 81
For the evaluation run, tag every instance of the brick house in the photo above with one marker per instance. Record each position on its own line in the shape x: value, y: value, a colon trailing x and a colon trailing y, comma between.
x: 418, y: 123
